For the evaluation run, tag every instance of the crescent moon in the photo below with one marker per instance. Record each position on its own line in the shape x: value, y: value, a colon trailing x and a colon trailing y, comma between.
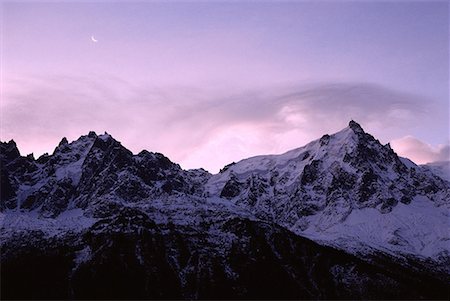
x: 93, y: 39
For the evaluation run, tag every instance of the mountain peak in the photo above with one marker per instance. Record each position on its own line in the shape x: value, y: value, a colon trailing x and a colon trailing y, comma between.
x: 9, y: 149
x: 105, y: 137
x: 356, y: 128
x: 12, y: 142
x: 92, y: 134
x: 63, y: 141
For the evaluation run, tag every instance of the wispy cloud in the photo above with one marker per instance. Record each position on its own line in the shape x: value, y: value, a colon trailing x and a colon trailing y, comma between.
x: 199, y: 127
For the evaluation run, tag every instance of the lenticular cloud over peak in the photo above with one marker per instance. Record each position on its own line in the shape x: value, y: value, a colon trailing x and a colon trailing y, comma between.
x: 202, y: 127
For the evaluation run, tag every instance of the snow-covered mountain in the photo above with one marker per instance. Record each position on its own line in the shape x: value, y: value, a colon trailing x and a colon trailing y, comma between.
x: 346, y: 190
x: 441, y: 169
x: 342, y: 217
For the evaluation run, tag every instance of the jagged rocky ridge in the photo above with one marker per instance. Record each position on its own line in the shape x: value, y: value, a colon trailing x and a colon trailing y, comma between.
x: 347, y: 190
x: 92, y: 220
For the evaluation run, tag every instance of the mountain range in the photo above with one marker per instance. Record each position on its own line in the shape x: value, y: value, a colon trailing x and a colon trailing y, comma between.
x: 343, y: 217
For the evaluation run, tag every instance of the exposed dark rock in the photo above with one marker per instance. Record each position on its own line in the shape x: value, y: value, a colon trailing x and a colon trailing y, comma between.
x: 368, y: 185
x: 324, y: 140
x: 388, y: 205
x: 9, y: 151
x: 356, y: 128
x: 232, y: 188
x: 310, y: 172
x: 226, y: 167
x: 43, y: 159
x: 63, y: 141
x: 7, y: 191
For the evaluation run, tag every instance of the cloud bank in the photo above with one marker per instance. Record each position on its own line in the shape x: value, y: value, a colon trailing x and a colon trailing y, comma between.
x: 207, y: 127
x: 420, y: 152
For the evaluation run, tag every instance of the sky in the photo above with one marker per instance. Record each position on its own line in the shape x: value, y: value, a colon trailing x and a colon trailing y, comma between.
x: 207, y: 83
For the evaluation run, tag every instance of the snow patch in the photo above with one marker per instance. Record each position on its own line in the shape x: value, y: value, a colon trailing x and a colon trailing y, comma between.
x: 419, y: 228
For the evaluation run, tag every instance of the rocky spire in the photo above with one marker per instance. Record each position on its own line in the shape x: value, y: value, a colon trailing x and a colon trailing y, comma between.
x: 63, y: 141
x: 9, y: 150
x: 357, y: 129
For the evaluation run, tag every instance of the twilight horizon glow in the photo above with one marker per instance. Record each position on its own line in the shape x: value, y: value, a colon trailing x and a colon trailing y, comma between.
x: 211, y: 83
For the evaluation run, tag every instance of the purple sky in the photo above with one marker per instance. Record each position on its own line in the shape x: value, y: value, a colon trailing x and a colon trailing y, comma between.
x: 209, y: 83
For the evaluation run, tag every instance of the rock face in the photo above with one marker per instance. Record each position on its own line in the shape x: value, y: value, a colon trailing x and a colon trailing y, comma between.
x: 342, y: 217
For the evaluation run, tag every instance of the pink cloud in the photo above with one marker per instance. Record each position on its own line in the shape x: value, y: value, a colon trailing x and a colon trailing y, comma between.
x: 420, y: 152
x: 197, y: 127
